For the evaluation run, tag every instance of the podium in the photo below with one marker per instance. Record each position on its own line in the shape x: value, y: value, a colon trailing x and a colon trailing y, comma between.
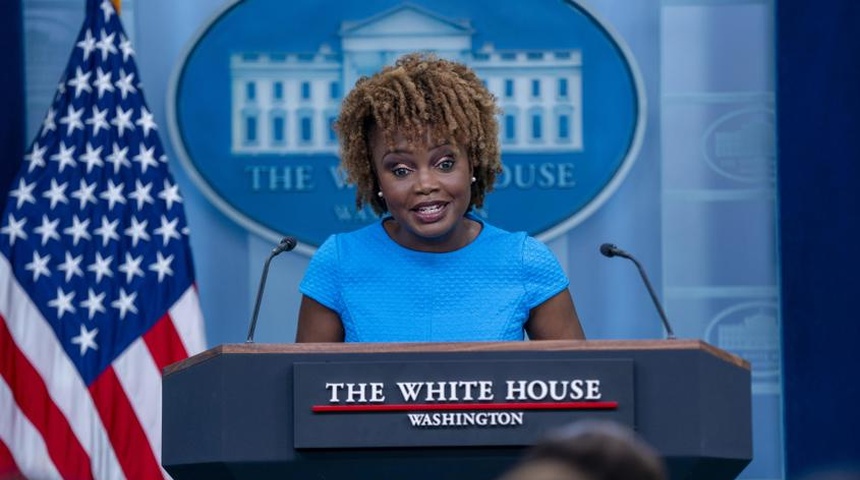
x: 445, y: 410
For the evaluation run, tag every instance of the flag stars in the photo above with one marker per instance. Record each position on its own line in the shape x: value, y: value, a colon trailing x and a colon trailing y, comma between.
x: 162, y: 266
x: 94, y: 303
x: 101, y: 267
x: 103, y: 82
x: 167, y: 230
x: 85, y: 193
x: 141, y: 194
x: 145, y: 158
x: 125, y: 303
x: 49, y: 123
x: 71, y: 266
x: 113, y: 194
x: 125, y: 84
x: 105, y: 44
x: 119, y: 158
x: 88, y: 44
x: 86, y: 340
x: 39, y: 266
x: 15, y: 229
x: 137, y: 231
x: 107, y: 230
x: 78, y: 230
x: 24, y: 193
x: 170, y: 194
x: 125, y: 47
x: 48, y: 229
x: 57, y: 193
x: 98, y: 120
x: 72, y: 120
x: 107, y: 8
x: 36, y: 157
x: 131, y: 267
x: 81, y: 82
x: 64, y: 157
x: 122, y: 120
x: 92, y: 157
x: 146, y: 121
x: 62, y: 302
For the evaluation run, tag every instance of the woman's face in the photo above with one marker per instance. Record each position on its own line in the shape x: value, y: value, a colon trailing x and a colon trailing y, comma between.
x: 427, y: 188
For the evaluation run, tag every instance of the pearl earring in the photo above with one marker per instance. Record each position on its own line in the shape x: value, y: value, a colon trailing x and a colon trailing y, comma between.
x: 474, y: 179
x: 379, y: 194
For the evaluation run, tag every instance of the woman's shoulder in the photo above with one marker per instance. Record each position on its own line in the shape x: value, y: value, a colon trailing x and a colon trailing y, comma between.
x: 496, y: 235
x: 529, y: 249
x: 360, y: 239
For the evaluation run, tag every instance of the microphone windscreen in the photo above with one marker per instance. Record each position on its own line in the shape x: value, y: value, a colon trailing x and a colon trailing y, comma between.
x: 608, y: 250
x: 288, y: 243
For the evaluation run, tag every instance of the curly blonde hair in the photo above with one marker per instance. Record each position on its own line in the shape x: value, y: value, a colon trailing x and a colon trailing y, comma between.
x: 419, y: 93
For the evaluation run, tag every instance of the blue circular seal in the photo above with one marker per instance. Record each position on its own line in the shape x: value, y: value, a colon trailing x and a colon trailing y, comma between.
x: 253, y: 100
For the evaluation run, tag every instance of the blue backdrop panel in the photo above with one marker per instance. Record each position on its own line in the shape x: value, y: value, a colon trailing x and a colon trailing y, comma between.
x: 818, y: 73
x: 11, y: 95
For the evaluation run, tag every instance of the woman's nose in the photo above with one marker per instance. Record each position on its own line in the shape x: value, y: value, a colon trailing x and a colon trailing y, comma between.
x: 426, y: 180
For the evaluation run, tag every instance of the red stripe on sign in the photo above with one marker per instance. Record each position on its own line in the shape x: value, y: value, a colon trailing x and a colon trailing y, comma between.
x: 435, y: 407
x: 124, y: 430
x: 31, y: 395
x: 8, y: 468
x: 164, y: 343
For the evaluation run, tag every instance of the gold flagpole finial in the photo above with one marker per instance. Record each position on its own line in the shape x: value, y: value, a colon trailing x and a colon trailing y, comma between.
x: 117, y: 4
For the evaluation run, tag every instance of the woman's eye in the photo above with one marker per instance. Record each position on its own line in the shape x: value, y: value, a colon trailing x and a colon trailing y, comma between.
x: 400, y: 171
x: 446, y: 164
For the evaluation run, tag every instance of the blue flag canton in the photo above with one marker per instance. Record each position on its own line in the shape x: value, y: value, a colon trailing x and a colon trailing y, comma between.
x: 94, y: 226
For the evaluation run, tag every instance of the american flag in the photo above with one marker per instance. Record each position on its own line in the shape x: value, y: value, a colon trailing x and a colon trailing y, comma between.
x: 97, y: 291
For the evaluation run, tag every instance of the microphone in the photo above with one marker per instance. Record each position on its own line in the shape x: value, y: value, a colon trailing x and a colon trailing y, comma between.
x: 610, y: 250
x: 286, y: 244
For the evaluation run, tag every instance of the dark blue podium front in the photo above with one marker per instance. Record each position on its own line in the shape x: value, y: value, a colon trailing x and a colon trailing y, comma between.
x: 343, y: 411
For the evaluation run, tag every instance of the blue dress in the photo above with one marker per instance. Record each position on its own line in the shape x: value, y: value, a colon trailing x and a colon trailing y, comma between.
x: 384, y: 292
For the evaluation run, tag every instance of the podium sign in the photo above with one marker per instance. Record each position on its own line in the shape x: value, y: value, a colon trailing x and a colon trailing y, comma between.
x: 453, y: 403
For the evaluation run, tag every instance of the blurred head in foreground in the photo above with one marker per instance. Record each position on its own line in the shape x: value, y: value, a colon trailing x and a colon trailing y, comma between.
x: 590, y: 450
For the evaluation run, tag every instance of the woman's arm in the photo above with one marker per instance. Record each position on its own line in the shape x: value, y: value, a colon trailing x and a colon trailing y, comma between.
x: 555, y: 319
x: 318, y: 323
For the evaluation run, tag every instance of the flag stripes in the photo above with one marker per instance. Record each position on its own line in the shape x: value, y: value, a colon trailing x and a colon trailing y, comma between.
x: 132, y: 426
x: 135, y: 455
x: 20, y: 428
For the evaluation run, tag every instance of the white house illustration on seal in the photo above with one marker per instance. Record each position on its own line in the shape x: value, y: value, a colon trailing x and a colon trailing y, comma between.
x: 286, y: 103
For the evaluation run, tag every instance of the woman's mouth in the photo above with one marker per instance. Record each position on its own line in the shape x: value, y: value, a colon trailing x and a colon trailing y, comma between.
x: 430, y: 212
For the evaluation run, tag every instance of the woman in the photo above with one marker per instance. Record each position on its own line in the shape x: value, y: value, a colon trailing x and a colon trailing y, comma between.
x: 420, y: 142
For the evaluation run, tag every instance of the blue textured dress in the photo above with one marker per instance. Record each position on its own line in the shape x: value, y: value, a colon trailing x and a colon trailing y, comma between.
x: 384, y: 292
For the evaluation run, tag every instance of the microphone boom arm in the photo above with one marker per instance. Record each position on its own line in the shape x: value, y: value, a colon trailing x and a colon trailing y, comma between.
x: 669, y: 333
x: 286, y: 244
x: 609, y: 250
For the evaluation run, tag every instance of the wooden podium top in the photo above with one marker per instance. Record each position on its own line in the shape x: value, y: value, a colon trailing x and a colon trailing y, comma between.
x: 427, y: 347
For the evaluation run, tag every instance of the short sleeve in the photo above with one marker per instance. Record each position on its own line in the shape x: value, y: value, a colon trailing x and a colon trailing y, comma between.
x: 322, y: 280
x: 543, y: 276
